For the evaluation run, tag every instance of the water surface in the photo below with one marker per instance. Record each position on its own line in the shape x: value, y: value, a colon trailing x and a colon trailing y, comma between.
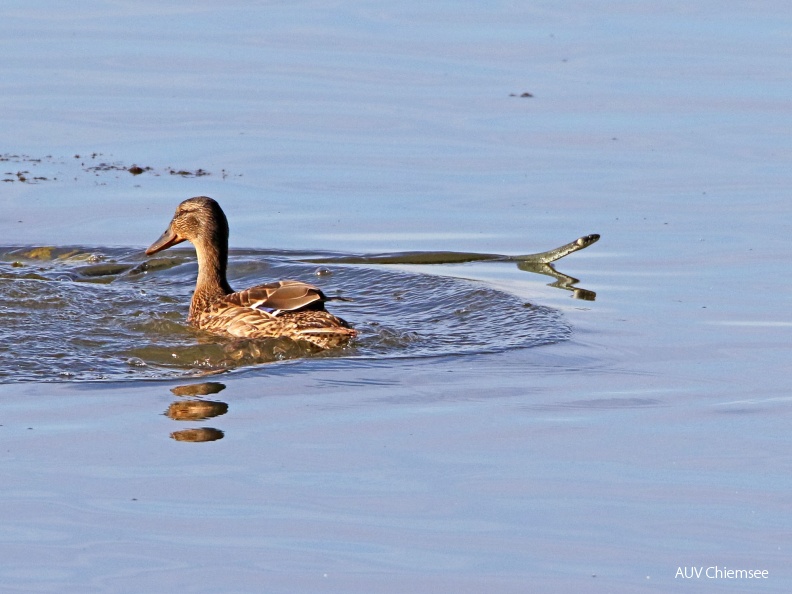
x: 104, y: 314
x: 642, y: 432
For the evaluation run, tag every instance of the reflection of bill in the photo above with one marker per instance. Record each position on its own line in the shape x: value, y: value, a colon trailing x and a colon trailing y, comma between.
x: 195, y: 409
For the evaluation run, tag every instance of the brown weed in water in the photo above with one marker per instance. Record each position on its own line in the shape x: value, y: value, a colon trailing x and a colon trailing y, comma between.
x: 97, y: 168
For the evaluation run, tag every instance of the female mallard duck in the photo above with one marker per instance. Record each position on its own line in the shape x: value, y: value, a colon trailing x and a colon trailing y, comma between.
x: 285, y: 308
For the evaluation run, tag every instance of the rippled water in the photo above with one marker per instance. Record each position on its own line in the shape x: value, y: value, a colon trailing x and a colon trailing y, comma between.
x: 74, y: 313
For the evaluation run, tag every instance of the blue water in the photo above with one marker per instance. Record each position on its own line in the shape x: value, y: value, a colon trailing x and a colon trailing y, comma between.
x: 654, y: 437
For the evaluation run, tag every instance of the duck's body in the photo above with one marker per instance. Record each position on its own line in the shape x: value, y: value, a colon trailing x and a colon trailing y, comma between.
x: 285, y: 308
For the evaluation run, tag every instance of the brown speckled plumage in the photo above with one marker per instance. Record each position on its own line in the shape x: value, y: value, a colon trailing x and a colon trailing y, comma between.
x: 283, y: 308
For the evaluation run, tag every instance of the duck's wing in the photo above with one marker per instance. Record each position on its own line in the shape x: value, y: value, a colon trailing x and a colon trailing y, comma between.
x: 279, y: 296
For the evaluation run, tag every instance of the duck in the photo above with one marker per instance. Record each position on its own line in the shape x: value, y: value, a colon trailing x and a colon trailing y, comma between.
x: 285, y: 308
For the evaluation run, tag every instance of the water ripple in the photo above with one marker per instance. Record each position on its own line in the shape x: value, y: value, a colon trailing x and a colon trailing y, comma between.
x: 72, y: 313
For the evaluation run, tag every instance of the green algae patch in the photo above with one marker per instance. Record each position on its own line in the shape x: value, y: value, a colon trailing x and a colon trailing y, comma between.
x: 39, y: 253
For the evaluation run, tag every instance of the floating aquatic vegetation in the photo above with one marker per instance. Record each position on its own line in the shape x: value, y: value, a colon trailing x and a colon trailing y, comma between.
x: 27, y: 169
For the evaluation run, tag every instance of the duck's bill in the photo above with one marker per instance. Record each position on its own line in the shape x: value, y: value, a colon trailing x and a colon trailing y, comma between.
x: 168, y: 239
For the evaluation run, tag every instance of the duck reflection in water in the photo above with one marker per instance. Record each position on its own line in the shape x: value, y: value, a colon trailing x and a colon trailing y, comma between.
x: 194, y: 408
x: 198, y: 435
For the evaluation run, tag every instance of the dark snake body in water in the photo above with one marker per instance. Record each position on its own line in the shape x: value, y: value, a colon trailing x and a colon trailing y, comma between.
x: 111, y: 314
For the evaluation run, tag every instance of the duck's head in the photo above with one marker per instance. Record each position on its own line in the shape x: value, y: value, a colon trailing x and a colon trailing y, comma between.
x: 198, y: 220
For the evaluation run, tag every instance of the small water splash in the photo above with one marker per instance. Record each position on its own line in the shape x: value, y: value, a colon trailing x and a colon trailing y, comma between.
x: 79, y: 314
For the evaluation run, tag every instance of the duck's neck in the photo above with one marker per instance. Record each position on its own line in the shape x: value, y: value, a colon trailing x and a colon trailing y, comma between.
x: 212, y: 282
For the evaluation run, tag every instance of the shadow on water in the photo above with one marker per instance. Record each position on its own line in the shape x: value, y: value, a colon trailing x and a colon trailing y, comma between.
x: 112, y: 314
